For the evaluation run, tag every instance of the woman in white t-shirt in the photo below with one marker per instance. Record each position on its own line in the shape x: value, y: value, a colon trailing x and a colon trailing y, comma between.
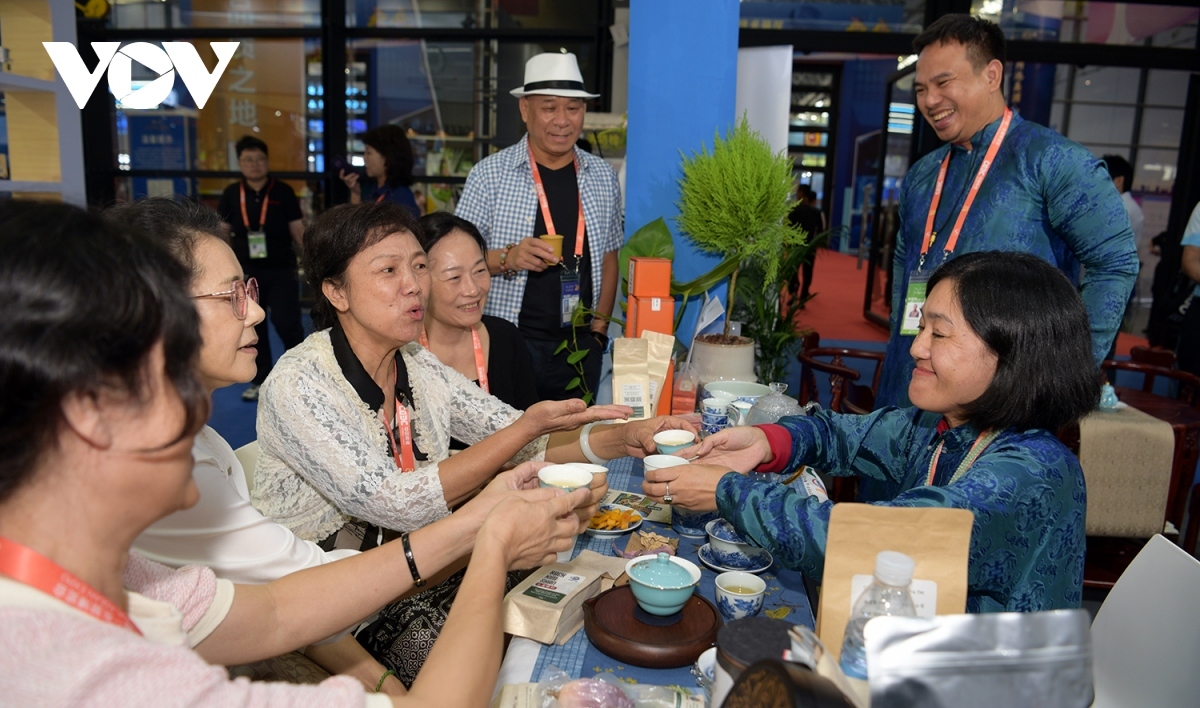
x: 99, y: 406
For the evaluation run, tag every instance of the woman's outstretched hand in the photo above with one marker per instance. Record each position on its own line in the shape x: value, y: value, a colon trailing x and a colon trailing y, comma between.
x: 740, y: 449
x: 552, y: 416
x: 638, y: 437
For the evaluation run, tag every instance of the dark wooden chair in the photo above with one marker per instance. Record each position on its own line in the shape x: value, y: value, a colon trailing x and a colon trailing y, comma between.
x: 1108, y: 557
x: 1156, y: 356
x: 1188, y: 385
x: 843, y: 379
x: 847, y: 394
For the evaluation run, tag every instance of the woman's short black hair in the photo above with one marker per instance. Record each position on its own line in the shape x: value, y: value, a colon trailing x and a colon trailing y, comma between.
x: 390, y: 141
x: 436, y: 226
x: 1031, y: 317
x: 337, y: 236
x: 85, y: 300
x: 177, y: 225
x: 984, y: 40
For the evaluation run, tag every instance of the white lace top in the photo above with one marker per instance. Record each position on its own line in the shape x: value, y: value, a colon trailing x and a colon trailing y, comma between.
x: 324, y: 457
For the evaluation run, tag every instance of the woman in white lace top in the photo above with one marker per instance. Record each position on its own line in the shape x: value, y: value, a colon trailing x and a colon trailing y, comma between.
x: 336, y: 451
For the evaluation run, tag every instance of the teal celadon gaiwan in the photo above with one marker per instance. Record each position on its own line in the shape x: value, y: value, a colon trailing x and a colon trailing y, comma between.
x: 661, y: 585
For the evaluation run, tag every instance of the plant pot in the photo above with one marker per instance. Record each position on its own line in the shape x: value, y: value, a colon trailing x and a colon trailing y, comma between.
x: 719, y: 358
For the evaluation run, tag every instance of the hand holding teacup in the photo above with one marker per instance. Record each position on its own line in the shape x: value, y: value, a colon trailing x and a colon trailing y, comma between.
x: 740, y: 449
x: 690, y: 486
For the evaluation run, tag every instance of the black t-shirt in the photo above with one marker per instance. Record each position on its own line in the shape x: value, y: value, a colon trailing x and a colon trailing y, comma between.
x: 510, y: 370
x: 541, y: 308
x: 282, y: 209
x: 808, y: 218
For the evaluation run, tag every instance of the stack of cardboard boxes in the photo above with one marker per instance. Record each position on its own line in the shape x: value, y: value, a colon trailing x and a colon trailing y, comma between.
x: 651, y: 309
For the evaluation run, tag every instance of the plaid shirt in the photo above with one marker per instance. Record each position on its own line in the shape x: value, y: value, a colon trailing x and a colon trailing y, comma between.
x: 500, y: 199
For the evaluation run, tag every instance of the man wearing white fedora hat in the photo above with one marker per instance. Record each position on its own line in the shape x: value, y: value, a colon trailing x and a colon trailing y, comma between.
x: 545, y: 186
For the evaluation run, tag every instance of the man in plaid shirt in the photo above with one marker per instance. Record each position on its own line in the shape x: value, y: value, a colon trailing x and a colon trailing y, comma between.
x: 513, y: 199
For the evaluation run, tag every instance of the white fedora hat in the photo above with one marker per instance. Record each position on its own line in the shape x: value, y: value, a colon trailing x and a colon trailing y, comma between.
x: 553, y: 74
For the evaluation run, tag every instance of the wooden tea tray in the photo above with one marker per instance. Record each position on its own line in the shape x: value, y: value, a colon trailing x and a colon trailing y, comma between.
x: 612, y: 628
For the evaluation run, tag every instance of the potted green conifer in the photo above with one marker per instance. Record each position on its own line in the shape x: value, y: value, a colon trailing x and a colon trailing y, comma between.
x: 734, y: 202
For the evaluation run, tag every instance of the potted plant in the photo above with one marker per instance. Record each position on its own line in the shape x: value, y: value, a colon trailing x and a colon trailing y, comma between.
x: 734, y: 202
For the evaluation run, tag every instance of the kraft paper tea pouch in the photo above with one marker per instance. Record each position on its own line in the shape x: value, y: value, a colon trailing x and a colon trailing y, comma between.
x: 631, y: 377
x: 547, y: 606
x: 658, y: 361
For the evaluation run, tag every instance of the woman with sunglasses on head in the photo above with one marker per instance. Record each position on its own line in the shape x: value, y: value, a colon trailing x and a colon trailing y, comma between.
x: 99, y: 404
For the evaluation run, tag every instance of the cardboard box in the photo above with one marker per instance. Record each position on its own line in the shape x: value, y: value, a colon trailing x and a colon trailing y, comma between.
x: 665, y: 396
x: 649, y: 277
x: 653, y: 314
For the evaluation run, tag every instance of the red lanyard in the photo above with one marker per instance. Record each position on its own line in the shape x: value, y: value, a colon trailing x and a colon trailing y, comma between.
x: 985, y: 438
x: 541, y: 194
x: 480, y: 362
x: 403, y: 453
x: 262, y: 218
x: 381, y: 197
x: 31, y: 568
x: 988, y: 158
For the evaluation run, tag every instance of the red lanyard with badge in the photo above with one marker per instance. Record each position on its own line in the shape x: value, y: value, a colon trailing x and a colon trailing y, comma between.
x: 480, y: 362
x: 402, y: 452
x: 258, y: 238
x: 570, y: 289
x: 914, y: 299
x: 27, y: 566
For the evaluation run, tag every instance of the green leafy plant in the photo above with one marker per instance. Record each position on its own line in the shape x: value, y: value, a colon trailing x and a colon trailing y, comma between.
x: 576, y: 355
x: 734, y: 202
x: 768, y: 315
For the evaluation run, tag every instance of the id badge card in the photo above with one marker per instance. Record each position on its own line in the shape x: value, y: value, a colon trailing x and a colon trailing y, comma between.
x: 258, y: 244
x: 914, y: 304
x: 570, y: 296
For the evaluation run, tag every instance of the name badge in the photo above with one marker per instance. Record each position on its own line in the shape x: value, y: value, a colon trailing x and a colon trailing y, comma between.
x: 570, y: 296
x: 258, y: 244
x: 914, y: 305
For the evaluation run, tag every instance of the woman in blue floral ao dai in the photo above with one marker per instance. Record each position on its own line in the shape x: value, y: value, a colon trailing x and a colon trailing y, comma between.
x: 1003, y: 359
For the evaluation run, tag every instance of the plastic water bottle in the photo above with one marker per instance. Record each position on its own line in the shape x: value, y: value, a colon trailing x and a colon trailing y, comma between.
x: 888, y: 594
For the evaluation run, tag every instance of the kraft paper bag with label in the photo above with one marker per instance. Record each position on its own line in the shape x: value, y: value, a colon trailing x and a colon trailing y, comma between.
x: 937, y: 539
x: 631, y: 377
x: 547, y: 606
x: 658, y: 360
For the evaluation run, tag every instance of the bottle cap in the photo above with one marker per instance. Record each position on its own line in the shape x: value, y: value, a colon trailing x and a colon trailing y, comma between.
x: 892, y: 568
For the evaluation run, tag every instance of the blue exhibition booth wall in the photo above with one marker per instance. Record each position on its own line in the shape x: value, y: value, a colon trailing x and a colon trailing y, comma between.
x: 682, y: 86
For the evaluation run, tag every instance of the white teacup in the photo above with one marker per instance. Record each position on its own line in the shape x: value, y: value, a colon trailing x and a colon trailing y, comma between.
x: 669, y: 441
x: 565, y: 477
x: 716, y: 406
x: 658, y: 462
x: 739, y: 595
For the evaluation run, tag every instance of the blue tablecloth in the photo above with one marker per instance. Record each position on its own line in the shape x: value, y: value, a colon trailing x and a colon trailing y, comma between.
x: 785, y: 599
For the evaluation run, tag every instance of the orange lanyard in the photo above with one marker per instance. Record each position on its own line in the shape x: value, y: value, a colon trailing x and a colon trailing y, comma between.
x: 541, y: 194
x: 403, y: 453
x: 480, y: 362
x: 381, y: 197
x: 930, y: 234
x: 262, y: 218
x: 31, y: 568
x: 985, y: 438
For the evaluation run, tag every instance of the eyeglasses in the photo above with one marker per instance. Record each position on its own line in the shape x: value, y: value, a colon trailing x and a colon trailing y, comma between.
x: 242, y: 291
x: 252, y: 160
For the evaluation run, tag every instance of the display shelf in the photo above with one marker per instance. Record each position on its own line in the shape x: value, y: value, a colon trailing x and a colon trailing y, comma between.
x: 17, y: 82
x: 45, y: 140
